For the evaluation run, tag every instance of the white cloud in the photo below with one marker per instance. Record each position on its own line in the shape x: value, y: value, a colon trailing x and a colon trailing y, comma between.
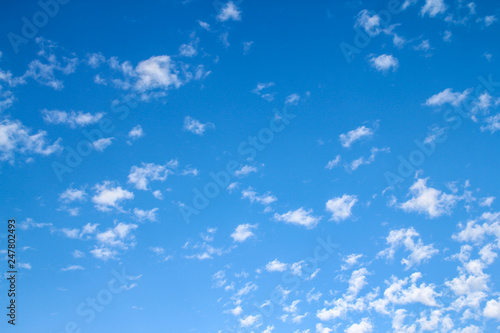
x: 249, y: 320
x: 24, y: 265
x: 72, y: 119
x: 104, y: 253
x: 313, y: 296
x: 44, y: 69
x: 158, y: 195
x: 109, y: 196
x: 492, y: 124
x: 492, y: 309
x: 433, y: 7
x: 73, y: 268
x: 322, y: 329
x: 195, y: 127
x: 406, y: 238
x: 423, y: 46
x: 292, y: 99
x: 84, y: 233
x: 78, y: 254
x: 365, y: 161
x: 204, y: 25
x: 489, y: 20
x: 157, y: 250
x: 30, y: 223
x: 189, y: 50
x: 140, y: 176
x: 102, y: 144
x: 384, y: 63
x: 245, y: 171
x: 434, y: 133
x: 428, y: 200
x: 119, y: 236
x: 347, y: 139
x: 94, y: 60
x: 333, y: 163
x: 73, y: 194
x: 350, y: 261
x: 340, y: 207
x: 447, y: 96
x: 229, y: 12
x: 357, y: 282
x: 142, y: 215
x: 276, y: 266
x: 261, y: 86
x: 136, y: 132
x: 365, y: 326
x: 16, y: 138
x: 424, y: 293
x: 243, y: 232
x: 299, y: 217
x: 265, y: 199
x: 157, y: 72
x: 232, y: 186
x: 368, y: 21
x: 236, y: 311
x: 486, y: 202
x: 483, y: 103
x: 476, y: 233
x: 268, y: 329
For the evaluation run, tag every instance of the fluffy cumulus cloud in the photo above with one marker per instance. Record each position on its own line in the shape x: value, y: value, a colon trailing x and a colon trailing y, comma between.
x: 15, y: 138
x: 384, y: 63
x: 152, y: 77
x: 428, y: 200
x: 157, y: 72
x: 73, y: 194
x: 195, y: 126
x: 114, y: 240
x: 370, y: 22
x: 102, y: 144
x: 448, y: 96
x: 145, y: 215
x: 109, y: 196
x: 341, y: 207
x: 264, y: 199
x: 492, y: 309
x: 407, y: 291
x: 276, y: 266
x: 229, y: 11
x: 249, y: 320
x: 141, y: 176
x: 433, y: 8
x: 410, y: 240
x: 136, y: 132
x: 245, y: 171
x: 364, y: 326
x: 243, y: 232
x: 300, y: 217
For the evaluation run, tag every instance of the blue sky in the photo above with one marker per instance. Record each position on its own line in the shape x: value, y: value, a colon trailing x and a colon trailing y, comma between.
x: 190, y: 166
